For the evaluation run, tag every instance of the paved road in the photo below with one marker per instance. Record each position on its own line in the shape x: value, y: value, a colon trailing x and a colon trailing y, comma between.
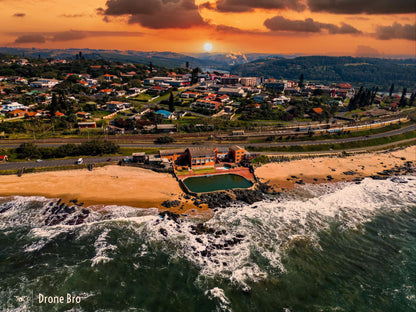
x: 63, y: 162
x: 55, y: 162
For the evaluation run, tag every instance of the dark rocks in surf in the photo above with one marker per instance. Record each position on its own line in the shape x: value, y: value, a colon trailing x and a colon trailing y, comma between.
x: 163, y: 232
x: 170, y: 216
x: 171, y: 203
x: 61, y: 213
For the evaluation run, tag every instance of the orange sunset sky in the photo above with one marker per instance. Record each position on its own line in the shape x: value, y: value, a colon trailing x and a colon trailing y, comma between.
x: 326, y: 27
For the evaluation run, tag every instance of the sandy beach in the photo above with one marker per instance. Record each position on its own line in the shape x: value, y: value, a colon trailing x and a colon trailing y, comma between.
x: 110, y: 185
x: 136, y: 187
x: 316, y: 170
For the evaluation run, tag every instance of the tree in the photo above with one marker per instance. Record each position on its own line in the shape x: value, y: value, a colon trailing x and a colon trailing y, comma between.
x: 391, y: 90
x: 171, y: 102
x: 194, y: 77
x: 301, y: 84
x: 187, y: 65
x: 403, y: 100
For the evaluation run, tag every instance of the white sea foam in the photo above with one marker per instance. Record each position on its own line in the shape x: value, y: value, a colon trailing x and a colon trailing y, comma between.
x: 102, y: 249
x: 219, y: 295
x: 267, y: 228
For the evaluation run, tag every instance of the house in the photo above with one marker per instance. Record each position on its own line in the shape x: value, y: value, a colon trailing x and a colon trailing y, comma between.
x: 114, y: 130
x: 83, y: 115
x: 32, y: 114
x: 172, y: 155
x: 44, y: 83
x: 3, y: 158
x: 114, y: 106
x: 200, y: 156
x: 59, y: 114
x: 248, y: 81
x: 223, y: 98
x: 190, y: 95
x: 8, y: 107
x: 317, y: 110
x: 237, y: 153
x: 109, y: 77
x: 237, y: 91
x: 166, y: 128
x: 87, y: 125
x: 16, y: 113
x: 211, y: 105
x: 139, y: 157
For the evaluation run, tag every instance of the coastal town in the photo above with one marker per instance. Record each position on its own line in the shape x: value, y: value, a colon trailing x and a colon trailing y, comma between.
x: 184, y: 121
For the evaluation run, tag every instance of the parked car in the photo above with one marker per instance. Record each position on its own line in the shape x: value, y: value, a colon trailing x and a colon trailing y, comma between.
x: 80, y: 161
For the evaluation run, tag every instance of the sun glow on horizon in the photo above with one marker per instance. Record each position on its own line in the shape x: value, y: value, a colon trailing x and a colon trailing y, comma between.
x: 208, y: 47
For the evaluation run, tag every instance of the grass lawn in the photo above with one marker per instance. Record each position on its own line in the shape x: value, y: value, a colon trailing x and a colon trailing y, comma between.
x: 182, y: 172
x: 203, y: 170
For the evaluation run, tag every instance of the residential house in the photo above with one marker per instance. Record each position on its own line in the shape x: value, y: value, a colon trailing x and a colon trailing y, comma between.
x: 165, y: 114
x: 237, y: 91
x: 237, y: 153
x: 16, y: 113
x: 84, y: 115
x: 114, y: 130
x: 172, y: 155
x: 211, y: 105
x: 200, y: 156
x: 87, y: 125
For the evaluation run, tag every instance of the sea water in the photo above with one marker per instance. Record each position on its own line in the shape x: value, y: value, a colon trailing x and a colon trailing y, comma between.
x: 328, y: 247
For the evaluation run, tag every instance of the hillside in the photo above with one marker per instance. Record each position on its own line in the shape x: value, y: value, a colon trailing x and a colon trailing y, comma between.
x: 357, y: 71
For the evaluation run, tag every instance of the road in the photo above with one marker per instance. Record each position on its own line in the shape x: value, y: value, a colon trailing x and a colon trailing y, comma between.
x: 55, y: 162
x: 64, y: 162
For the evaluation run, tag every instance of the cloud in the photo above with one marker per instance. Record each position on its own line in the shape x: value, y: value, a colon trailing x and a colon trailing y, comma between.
x: 19, y: 14
x: 365, y: 51
x: 279, y: 23
x: 69, y: 35
x: 250, y: 5
x: 363, y: 6
x: 396, y: 31
x: 30, y: 38
x: 157, y: 15
x: 72, y: 15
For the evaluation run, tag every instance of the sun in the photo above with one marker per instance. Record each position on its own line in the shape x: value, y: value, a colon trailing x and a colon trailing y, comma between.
x: 208, y: 47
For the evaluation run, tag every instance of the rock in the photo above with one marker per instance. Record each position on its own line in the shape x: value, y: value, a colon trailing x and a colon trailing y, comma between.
x: 163, y: 232
x: 350, y: 172
x: 170, y: 204
x: 170, y: 216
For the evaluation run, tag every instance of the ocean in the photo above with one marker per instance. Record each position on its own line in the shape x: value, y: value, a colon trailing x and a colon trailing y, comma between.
x: 328, y: 247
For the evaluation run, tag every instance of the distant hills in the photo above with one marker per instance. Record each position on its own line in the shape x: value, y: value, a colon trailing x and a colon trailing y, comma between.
x: 368, y: 72
x: 221, y: 61
x: 357, y: 71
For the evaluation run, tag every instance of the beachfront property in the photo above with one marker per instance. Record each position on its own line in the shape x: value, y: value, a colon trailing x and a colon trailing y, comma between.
x: 203, y: 156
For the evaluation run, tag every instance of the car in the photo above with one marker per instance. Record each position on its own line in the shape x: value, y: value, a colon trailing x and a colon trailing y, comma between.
x: 39, y: 160
x: 80, y: 161
x: 109, y: 159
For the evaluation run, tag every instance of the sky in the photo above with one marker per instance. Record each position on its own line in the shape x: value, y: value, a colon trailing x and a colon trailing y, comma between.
x: 378, y: 28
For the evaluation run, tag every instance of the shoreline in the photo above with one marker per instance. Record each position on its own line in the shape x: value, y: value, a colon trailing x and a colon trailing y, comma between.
x: 142, y: 188
x: 283, y: 176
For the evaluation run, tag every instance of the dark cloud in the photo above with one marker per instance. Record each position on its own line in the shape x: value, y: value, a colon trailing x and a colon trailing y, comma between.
x: 19, y: 14
x: 396, y: 31
x: 279, y: 23
x: 365, y: 51
x: 157, y: 14
x: 69, y: 35
x: 30, y: 38
x: 250, y: 5
x: 363, y: 6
